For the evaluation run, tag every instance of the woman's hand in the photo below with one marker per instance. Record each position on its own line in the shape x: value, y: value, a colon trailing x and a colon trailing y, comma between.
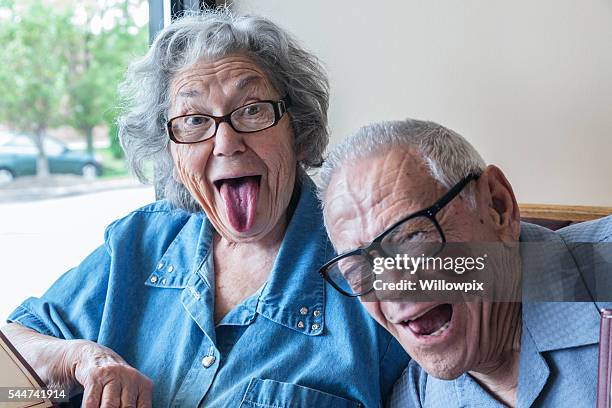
x: 108, y: 381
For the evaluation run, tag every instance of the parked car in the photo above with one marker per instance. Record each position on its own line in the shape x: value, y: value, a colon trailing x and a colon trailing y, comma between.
x: 18, y: 154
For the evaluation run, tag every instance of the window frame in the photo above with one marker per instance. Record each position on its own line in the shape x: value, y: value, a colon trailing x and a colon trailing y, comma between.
x: 163, y: 11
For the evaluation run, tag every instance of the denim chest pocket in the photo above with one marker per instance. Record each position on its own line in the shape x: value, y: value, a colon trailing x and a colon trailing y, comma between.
x: 262, y: 393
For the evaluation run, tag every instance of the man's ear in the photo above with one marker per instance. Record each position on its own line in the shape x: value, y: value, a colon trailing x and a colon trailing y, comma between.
x: 496, y: 196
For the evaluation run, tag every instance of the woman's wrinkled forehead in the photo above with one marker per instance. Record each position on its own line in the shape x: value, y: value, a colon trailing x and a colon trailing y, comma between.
x: 230, y: 78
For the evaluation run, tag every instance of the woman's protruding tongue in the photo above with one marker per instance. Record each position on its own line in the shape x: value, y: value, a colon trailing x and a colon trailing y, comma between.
x: 240, y: 197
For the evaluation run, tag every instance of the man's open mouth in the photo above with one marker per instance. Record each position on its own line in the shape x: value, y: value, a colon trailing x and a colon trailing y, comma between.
x: 432, y: 323
x: 239, y: 195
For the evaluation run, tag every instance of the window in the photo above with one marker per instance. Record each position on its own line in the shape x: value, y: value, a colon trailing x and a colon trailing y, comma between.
x: 62, y: 77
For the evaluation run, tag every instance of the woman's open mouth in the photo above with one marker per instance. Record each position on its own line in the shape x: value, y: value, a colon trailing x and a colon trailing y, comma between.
x: 431, y: 324
x: 239, y: 195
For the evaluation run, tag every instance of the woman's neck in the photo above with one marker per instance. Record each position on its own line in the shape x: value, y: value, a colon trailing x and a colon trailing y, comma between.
x: 268, y: 243
x: 241, y: 268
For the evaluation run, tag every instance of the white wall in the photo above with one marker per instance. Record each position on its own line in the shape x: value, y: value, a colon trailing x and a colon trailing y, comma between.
x: 529, y: 83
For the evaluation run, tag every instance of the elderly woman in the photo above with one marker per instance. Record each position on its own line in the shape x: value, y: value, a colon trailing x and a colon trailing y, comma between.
x: 211, y: 297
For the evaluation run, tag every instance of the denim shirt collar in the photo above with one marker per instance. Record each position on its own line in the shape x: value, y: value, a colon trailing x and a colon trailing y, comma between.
x: 547, y: 326
x: 184, y: 256
x: 558, y: 325
x: 294, y: 295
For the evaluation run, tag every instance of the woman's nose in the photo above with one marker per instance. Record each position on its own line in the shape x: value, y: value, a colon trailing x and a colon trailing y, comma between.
x: 227, y: 141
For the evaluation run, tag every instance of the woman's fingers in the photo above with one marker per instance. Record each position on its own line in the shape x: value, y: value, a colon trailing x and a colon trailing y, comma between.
x: 116, y: 386
x: 144, y: 394
x: 111, y: 395
x: 120, y: 387
x: 109, y: 381
x: 129, y: 396
x: 91, y: 395
x: 137, y: 389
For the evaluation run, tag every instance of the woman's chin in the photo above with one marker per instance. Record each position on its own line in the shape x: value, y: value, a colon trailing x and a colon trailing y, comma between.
x: 242, y: 234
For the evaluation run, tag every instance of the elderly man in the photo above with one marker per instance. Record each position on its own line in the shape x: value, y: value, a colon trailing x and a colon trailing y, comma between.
x: 211, y: 297
x: 417, y: 181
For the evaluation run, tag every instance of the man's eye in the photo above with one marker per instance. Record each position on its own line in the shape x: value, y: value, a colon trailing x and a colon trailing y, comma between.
x: 413, y: 236
x: 416, y: 236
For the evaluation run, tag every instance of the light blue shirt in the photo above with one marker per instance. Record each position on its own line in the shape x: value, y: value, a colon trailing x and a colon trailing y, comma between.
x: 148, y: 294
x: 559, y: 347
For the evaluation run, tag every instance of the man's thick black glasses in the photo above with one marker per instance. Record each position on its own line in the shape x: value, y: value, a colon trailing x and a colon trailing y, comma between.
x: 351, y: 273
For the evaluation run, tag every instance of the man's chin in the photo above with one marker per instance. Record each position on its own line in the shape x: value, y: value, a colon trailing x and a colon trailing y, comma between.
x: 444, y: 365
x: 442, y: 370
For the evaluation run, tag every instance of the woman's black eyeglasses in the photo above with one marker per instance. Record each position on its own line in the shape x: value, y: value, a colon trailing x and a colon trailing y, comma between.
x: 254, y: 117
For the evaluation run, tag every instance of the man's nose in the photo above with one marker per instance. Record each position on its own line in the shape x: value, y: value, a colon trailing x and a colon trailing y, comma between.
x: 227, y: 141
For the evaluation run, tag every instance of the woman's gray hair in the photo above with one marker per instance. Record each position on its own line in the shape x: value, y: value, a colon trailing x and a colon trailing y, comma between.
x: 209, y: 35
x: 449, y: 157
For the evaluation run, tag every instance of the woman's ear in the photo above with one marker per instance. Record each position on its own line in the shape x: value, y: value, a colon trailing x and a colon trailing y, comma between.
x: 176, y: 176
x: 173, y: 153
x: 496, y: 196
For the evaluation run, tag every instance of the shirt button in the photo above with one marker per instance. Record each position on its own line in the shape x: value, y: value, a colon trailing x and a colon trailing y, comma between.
x: 304, y: 311
x: 160, y: 265
x: 208, y: 361
x: 163, y: 282
x: 194, y: 292
x: 170, y: 269
x: 153, y: 279
x: 317, y: 313
x: 300, y: 324
x: 315, y: 327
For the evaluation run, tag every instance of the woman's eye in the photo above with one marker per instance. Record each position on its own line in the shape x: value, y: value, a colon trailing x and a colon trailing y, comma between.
x: 193, y: 121
x: 252, y: 110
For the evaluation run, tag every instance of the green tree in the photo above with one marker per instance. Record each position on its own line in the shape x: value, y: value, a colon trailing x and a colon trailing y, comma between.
x: 33, y: 69
x: 99, y: 58
x: 57, y: 69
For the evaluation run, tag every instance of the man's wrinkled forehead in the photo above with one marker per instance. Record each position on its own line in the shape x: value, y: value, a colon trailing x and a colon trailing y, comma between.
x: 373, y: 193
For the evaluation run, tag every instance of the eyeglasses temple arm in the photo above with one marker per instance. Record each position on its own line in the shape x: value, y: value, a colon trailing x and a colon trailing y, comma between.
x: 453, y: 192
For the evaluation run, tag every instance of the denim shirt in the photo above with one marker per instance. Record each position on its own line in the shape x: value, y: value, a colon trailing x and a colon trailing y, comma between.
x: 559, y: 347
x: 148, y: 294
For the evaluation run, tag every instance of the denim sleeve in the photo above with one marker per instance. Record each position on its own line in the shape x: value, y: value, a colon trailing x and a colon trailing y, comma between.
x: 73, y: 306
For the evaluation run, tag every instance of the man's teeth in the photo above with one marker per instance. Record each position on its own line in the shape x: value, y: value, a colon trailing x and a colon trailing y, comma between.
x: 440, y: 330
